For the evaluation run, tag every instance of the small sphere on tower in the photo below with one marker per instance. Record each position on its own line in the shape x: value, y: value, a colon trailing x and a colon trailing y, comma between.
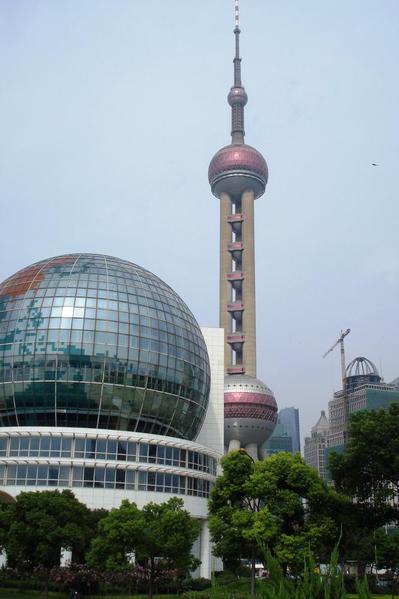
x: 237, y: 95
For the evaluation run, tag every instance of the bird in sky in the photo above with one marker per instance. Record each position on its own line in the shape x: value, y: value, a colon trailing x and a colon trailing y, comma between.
x: 374, y: 164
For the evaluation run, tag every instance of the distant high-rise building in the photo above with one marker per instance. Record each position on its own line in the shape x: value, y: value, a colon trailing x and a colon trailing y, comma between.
x: 289, y: 418
x: 315, y: 445
x: 238, y: 175
x: 366, y: 391
x: 279, y: 441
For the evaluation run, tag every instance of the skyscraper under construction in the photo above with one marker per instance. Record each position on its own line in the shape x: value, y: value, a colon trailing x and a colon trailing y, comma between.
x: 238, y: 175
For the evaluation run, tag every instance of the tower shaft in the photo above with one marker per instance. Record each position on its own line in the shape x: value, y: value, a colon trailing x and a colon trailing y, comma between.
x: 237, y: 282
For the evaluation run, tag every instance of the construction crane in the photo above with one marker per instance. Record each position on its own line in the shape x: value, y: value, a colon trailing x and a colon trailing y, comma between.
x: 340, y: 341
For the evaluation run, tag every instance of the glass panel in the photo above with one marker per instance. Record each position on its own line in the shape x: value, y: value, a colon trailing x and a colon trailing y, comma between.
x: 151, y: 481
x: 14, y: 446
x: 90, y: 449
x: 32, y: 474
x: 168, y: 456
x: 122, y: 450
x: 24, y: 446
x: 176, y: 460
x: 152, y: 452
x: 112, y: 448
x: 183, y: 458
x: 64, y: 474
x: 159, y: 482
x: 143, y: 452
x: 21, y: 474
x: 110, y: 478
x: 142, y: 481
x: 77, y: 473
x: 66, y: 444
x: 120, y: 479
x: 160, y: 454
x: 101, y: 449
x: 130, y: 479
x: 99, y: 477
x: 42, y: 474
x: 175, y: 483
x: 11, y: 475
x: 44, y: 446
x: 3, y: 446
x: 131, y: 451
x: 34, y: 446
x: 79, y: 448
x: 55, y: 447
x: 88, y: 476
x: 53, y: 472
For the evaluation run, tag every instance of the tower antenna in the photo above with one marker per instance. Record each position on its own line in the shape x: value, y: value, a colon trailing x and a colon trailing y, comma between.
x: 237, y: 14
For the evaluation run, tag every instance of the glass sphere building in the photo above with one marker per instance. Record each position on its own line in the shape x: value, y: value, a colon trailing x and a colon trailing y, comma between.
x: 92, y: 341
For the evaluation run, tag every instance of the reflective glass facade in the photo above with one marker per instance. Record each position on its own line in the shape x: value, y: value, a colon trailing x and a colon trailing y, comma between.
x: 96, y: 342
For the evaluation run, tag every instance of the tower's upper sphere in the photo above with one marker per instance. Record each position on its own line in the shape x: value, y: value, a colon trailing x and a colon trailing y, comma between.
x: 236, y: 95
x: 250, y: 410
x: 237, y: 168
x: 92, y: 341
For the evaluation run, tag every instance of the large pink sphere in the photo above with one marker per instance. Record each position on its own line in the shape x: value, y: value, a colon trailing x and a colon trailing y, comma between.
x: 238, y: 167
x: 250, y: 410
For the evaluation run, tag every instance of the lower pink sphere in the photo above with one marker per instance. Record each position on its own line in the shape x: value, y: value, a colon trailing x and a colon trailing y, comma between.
x: 250, y: 410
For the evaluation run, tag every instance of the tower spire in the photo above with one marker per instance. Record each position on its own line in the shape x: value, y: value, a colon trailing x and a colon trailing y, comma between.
x: 237, y: 97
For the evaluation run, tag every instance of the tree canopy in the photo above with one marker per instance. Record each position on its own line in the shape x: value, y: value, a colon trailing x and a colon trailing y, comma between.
x: 368, y: 469
x: 279, y: 504
x: 38, y: 525
x: 159, y: 535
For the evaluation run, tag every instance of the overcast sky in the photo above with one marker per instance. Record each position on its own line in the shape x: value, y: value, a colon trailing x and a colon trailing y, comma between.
x: 110, y: 112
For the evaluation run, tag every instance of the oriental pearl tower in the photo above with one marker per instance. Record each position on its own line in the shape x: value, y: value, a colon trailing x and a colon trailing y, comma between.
x: 238, y: 175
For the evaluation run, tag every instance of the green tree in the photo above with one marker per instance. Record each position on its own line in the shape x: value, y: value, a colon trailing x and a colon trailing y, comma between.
x: 279, y: 504
x: 160, y: 535
x: 368, y: 469
x: 368, y: 472
x: 387, y: 548
x: 39, y: 525
x: 3, y: 525
x: 93, y: 518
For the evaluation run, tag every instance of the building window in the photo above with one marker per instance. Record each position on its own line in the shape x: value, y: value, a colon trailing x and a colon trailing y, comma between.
x: 90, y: 448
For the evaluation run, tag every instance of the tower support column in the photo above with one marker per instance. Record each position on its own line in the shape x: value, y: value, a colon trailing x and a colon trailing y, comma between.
x: 205, y: 549
x: 225, y: 269
x: 252, y: 450
x: 234, y: 445
x: 248, y: 264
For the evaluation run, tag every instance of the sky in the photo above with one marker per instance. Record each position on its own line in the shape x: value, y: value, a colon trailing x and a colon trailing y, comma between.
x: 110, y: 112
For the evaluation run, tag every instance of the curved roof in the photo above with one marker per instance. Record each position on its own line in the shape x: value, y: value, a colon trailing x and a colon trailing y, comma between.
x: 361, y: 366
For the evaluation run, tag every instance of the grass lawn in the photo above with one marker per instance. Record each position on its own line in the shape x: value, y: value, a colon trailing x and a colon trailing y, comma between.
x: 15, y: 594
